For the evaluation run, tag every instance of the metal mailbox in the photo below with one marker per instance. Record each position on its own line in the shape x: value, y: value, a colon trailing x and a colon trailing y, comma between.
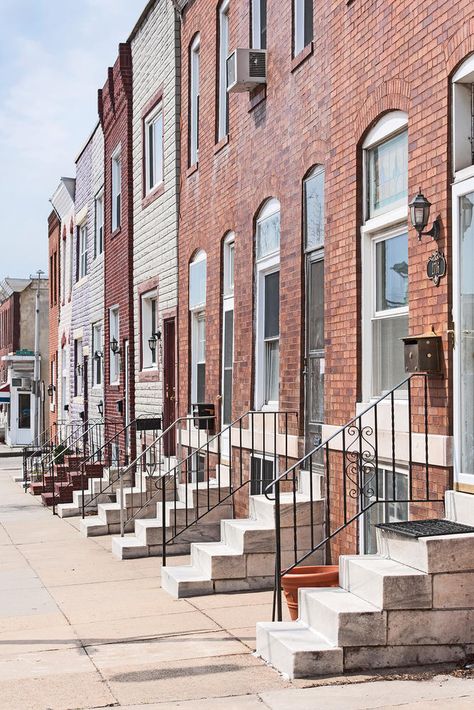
x: 207, y: 411
x: 423, y: 353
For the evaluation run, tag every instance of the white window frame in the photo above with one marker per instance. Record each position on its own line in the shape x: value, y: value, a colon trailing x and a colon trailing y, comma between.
x: 97, y: 347
x: 223, y: 96
x: 256, y: 10
x: 387, y: 468
x: 266, y: 265
x: 99, y: 223
x: 299, y: 26
x: 114, y: 331
x: 227, y: 306
x: 148, y: 329
x: 71, y: 262
x: 82, y: 251
x: 462, y: 120
x: 63, y: 269
x: 116, y: 167
x: 194, y: 88
x: 261, y: 457
x: 64, y: 378
x: 78, y: 363
x: 154, y: 158
x: 197, y: 316
x: 388, y: 224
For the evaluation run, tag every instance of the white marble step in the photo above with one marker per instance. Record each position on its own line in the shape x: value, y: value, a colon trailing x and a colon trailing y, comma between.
x: 218, y: 561
x: 442, y: 553
x: 261, y: 508
x: 342, y: 618
x: 247, y: 535
x: 385, y: 583
x: 296, y: 650
x: 185, y: 581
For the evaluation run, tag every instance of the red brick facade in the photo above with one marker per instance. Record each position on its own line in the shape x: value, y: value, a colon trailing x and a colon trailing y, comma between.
x: 9, y: 330
x: 54, y: 239
x: 115, y: 111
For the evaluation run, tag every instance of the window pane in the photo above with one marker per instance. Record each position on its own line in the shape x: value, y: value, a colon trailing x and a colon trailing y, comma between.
x: 24, y: 411
x: 315, y: 392
x: 314, y: 211
x: 389, y: 368
x: 157, y: 129
x: 197, y: 283
x: 388, y: 174
x: 268, y: 235
x: 201, y: 340
x: 272, y: 305
x: 201, y: 381
x: 227, y: 408
x: 392, y: 273
x: 272, y: 368
x: 316, y: 306
x: 228, y: 338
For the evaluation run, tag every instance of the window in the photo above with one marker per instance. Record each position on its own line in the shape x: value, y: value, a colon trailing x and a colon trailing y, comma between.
x: 197, y: 306
x: 64, y: 379
x: 63, y: 269
x: 99, y: 225
x: 196, y: 470
x: 302, y: 24
x: 194, y: 102
x: 71, y: 260
x: 223, y: 103
x: 24, y: 411
x: 97, y: 354
x: 149, y: 327
x: 268, y: 305
x: 114, y: 335
x: 78, y: 368
x: 385, y: 245
x: 116, y: 190
x: 82, y: 252
x: 228, y: 329
x: 261, y: 474
x: 463, y: 116
x: 391, y: 486
x: 154, y: 148
x: 313, y: 189
x: 259, y: 24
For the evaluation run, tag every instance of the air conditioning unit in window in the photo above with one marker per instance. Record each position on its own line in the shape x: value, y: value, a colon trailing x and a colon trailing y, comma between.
x: 246, y: 69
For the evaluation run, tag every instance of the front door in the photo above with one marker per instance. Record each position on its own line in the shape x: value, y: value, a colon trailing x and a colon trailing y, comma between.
x: 24, y: 420
x: 463, y: 319
x: 314, y: 356
x: 126, y: 365
x: 169, y: 385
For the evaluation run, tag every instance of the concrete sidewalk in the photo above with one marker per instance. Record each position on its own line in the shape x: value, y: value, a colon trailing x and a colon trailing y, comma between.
x: 80, y: 629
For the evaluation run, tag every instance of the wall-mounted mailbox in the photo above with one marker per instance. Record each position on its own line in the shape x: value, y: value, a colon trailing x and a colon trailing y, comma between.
x: 204, y: 416
x: 423, y: 353
x: 119, y: 404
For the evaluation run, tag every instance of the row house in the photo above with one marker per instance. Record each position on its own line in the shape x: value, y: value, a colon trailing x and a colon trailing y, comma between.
x: 24, y: 371
x: 287, y: 227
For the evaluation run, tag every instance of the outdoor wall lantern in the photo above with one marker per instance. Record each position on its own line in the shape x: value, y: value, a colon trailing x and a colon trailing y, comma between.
x: 79, y: 369
x: 420, y: 214
x: 114, y: 346
x: 153, y: 340
x: 98, y: 355
x: 51, y: 389
x: 100, y: 408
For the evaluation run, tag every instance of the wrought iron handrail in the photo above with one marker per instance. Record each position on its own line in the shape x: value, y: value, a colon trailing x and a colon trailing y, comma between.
x: 212, y: 448
x: 115, y: 439
x: 360, y: 455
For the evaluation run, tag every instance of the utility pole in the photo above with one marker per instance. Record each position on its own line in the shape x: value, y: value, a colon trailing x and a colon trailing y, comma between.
x: 36, y: 375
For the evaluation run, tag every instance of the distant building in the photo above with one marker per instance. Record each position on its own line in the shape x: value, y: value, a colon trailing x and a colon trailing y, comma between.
x: 22, y: 403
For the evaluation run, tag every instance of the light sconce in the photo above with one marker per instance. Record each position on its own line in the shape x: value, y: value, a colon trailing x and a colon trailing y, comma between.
x: 98, y: 355
x: 51, y: 389
x: 153, y: 340
x: 114, y: 346
x: 420, y: 215
x: 100, y: 408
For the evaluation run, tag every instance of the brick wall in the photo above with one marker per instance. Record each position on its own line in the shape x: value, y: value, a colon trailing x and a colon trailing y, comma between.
x: 156, y: 60
x: 115, y: 111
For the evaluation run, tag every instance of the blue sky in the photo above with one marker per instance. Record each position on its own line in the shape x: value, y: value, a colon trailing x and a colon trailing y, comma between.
x: 54, y: 56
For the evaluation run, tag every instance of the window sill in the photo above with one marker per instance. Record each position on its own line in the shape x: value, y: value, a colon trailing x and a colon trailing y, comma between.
x: 149, y: 375
x: 114, y: 385
x: 83, y: 280
x: 257, y: 96
x: 97, y: 388
x: 221, y: 144
x: 302, y: 56
x: 191, y: 170
x: 99, y: 257
x: 116, y: 232
x: 153, y: 195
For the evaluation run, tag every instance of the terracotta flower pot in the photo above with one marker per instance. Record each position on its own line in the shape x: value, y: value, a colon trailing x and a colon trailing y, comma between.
x: 322, y: 576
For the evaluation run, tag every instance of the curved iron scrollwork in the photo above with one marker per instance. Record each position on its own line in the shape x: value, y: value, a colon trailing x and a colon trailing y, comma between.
x: 360, y: 462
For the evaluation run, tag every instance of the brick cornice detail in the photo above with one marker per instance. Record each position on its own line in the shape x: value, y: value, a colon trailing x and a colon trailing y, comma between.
x: 459, y: 45
x: 391, y: 95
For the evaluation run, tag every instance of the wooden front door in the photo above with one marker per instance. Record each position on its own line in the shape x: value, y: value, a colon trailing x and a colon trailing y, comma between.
x: 169, y: 385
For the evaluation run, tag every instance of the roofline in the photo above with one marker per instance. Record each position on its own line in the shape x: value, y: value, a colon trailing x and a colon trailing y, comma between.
x: 88, y: 140
x: 147, y: 9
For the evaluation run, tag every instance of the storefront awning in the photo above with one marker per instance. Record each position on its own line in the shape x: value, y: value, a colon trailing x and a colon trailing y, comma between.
x: 5, y: 393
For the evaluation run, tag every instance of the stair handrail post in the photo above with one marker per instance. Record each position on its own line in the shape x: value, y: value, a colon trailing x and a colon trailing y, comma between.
x: 163, y: 521
x: 279, y: 608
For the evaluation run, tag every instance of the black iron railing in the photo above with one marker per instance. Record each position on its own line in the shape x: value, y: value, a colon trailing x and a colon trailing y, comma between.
x: 115, y: 454
x: 360, y: 466
x: 199, y: 467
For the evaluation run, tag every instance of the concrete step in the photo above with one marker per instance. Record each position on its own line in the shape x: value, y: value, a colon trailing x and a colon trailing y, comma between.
x: 247, y: 535
x: 307, y: 513
x: 385, y: 583
x: 218, y: 561
x: 342, y: 618
x: 442, y: 553
x: 296, y: 650
x: 185, y: 581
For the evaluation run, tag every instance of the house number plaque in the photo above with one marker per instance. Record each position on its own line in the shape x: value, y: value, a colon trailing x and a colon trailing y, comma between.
x: 436, y: 267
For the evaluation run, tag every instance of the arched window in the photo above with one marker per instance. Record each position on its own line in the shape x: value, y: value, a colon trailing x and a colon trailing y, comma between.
x: 197, y: 310
x: 385, y: 253
x: 267, y: 306
x: 463, y: 115
x: 222, y: 101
